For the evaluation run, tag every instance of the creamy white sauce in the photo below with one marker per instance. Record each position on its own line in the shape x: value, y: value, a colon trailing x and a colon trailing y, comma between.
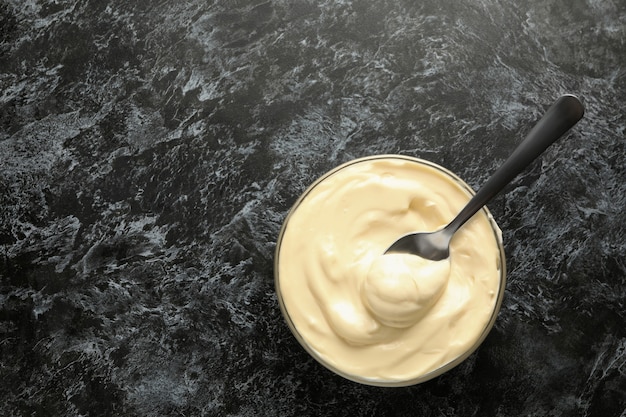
x: 386, y: 317
x: 399, y: 289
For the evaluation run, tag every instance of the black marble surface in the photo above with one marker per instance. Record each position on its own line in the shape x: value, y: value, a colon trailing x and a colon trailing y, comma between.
x: 150, y: 150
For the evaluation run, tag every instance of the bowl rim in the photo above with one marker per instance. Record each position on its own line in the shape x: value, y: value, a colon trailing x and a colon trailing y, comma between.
x: 438, y: 371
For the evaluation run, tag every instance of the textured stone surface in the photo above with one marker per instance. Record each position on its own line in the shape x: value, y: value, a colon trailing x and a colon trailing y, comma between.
x: 149, y: 152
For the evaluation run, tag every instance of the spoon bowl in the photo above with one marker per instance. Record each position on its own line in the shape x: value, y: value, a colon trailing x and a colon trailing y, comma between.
x: 566, y: 111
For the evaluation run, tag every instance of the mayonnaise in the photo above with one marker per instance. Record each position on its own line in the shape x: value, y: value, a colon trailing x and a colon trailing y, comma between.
x: 387, y: 319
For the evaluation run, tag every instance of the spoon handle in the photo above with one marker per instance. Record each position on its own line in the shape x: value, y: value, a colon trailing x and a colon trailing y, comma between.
x: 566, y: 111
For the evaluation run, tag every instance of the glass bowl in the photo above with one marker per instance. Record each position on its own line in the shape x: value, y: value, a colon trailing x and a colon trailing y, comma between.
x: 324, y: 359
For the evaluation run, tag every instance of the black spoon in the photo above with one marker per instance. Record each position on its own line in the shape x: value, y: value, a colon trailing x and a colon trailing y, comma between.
x: 560, y: 117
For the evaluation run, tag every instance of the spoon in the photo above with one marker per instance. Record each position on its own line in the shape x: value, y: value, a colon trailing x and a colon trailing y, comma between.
x: 566, y: 111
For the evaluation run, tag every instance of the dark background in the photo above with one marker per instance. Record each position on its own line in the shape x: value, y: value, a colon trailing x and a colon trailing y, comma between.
x: 150, y: 150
